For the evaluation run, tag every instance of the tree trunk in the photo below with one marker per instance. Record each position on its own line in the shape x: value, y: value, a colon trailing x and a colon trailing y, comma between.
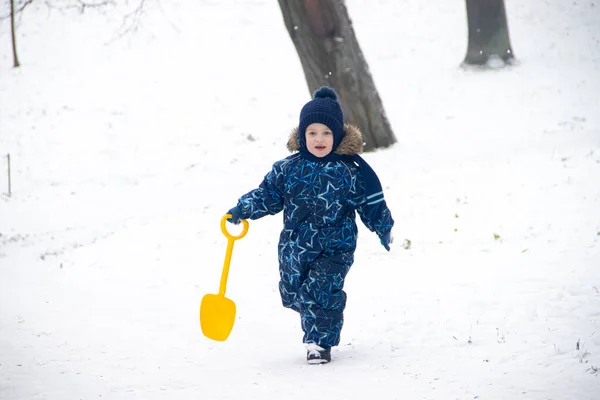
x: 330, y: 56
x: 14, y: 40
x: 488, y: 33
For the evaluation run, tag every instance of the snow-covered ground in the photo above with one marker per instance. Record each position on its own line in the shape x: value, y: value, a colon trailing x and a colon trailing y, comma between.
x: 127, y: 148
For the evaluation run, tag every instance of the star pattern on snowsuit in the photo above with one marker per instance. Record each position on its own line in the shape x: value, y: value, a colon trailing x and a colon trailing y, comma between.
x: 317, y: 244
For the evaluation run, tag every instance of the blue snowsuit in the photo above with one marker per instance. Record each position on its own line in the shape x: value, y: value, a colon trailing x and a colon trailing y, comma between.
x: 318, y: 240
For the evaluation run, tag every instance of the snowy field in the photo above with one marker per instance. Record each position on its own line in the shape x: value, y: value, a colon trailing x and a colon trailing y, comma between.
x: 128, y: 147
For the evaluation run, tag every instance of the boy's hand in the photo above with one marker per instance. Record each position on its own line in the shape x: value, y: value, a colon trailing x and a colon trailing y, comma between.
x: 386, y: 239
x: 235, y: 215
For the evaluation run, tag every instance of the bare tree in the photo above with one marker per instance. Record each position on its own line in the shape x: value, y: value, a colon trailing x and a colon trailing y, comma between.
x: 331, y: 56
x: 12, y: 33
x: 131, y: 20
x: 488, y: 33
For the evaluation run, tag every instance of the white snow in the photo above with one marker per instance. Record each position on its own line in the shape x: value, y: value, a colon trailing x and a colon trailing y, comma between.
x: 127, y: 148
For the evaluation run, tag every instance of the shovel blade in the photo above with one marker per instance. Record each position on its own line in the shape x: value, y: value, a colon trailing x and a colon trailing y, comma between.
x: 217, y: 315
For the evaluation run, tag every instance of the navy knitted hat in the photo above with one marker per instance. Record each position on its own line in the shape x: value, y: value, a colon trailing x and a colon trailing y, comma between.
x: 326, y: 110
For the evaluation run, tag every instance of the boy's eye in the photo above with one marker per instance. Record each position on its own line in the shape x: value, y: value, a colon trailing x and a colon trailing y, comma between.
x: 326, y: 133
x: 312, y: 133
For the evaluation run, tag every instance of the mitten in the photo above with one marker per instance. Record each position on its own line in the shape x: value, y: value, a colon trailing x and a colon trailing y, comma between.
x: 235, y: 215
x: 386, y: 239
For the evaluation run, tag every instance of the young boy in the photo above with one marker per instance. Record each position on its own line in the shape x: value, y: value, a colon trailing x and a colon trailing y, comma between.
x: 319, y: 188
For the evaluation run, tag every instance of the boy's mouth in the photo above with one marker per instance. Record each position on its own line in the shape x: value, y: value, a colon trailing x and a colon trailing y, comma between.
x: 320, y: 147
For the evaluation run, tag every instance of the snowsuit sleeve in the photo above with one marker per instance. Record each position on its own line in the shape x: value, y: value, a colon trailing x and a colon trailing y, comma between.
x: 267, y: 199
x: 374, y: 214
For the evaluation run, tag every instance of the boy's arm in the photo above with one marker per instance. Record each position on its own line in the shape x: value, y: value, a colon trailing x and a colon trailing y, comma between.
x: 376, y: 217
x: 267, y: 199
x: 373, y: 211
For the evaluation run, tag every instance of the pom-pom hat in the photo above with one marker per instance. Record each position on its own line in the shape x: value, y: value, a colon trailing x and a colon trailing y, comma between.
x: 324, y: 109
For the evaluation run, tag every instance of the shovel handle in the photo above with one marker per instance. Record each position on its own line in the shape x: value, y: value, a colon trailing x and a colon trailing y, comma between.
x: 229, y: 235
x: 230, y: 240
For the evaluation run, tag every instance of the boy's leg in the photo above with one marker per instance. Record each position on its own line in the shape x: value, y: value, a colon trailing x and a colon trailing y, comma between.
x: 292, y: 272
x: 288, y: 288
x: 322, y: 300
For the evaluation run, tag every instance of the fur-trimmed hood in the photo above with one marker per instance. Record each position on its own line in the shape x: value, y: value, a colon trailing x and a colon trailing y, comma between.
x: 351, y: 144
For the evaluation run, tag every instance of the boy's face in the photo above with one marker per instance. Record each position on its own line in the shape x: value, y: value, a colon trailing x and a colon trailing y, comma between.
x: 319, y: 139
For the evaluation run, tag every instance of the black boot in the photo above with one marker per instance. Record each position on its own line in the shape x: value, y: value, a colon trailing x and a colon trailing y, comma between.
x: 316, y: 354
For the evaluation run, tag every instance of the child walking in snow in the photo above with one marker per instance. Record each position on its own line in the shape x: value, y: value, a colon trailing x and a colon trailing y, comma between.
x: 319, y: 188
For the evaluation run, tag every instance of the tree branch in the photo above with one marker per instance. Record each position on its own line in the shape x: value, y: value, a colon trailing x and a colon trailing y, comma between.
x: 18, y: 9
x: 131, y: 21
x: 83, y: 4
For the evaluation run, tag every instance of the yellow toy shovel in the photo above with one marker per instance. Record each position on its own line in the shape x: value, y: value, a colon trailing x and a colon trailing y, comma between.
x: 217, y: 312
